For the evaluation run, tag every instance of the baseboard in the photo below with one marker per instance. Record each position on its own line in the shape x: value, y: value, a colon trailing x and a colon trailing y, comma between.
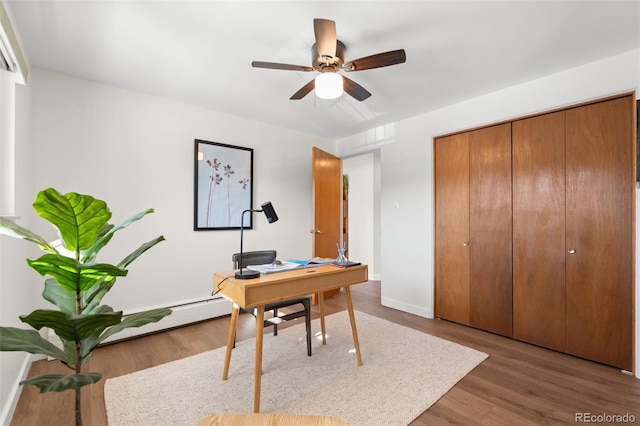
x: 12, y: 401
x: 406, y: 307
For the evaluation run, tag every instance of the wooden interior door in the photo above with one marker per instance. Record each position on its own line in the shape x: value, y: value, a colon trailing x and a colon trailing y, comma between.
x: 490, y: 229
x: 451, y: 156
x: 599, y: 239
x: 327, y: 206
x: 539, y: 230
x: 327, y: 203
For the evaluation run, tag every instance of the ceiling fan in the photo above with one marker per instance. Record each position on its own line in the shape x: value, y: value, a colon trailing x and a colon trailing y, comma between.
x: 327, y: 57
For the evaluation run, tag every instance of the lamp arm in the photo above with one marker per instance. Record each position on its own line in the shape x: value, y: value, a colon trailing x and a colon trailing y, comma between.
x: 242, y: 234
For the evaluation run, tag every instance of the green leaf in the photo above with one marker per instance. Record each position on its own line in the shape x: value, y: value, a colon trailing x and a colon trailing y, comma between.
x: 17, y: 339
x: 63, y: 298
x: 12, y: 229
x: 69, y: 348
x: 89, y: 342
x: 78, y: 217
x: 90, y: 254
x: 62, y: 382
x: 135, y: 254
x: 71, y: 274
x: 135, y: 320
x: 94, y: 295
x: 72, y: 328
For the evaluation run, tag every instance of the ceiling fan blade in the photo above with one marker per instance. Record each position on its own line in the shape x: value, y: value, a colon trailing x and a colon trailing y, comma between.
x: 354, y: 89
x: 304, y: 91
x: 326, y: 39
x: 277, y: 66
x: 379, y: 60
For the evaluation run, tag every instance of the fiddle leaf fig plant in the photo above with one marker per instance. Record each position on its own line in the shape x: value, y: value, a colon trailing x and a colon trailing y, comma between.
x: 75, y: 283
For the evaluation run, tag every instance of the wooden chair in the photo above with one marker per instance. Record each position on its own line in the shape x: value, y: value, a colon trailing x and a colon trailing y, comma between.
x: 269, y: 419
x: 264, y: 257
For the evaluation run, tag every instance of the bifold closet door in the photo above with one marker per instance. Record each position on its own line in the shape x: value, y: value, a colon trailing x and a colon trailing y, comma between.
x: 451, y: 164
x: 473, y: 276
x: 490, y: 229
x: 599, y: 237
x: 539, y: 230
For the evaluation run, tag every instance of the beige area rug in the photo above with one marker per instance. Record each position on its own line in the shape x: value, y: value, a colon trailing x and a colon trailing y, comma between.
x: 403, y: 373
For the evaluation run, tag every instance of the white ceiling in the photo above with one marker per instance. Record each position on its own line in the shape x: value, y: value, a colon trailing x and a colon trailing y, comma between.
x: 200, y: 52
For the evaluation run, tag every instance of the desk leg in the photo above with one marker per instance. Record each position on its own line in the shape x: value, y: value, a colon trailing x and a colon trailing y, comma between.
x: 322, y: 328
x: 232, y: 334
x: 352, y: 318
x: 259, y: 337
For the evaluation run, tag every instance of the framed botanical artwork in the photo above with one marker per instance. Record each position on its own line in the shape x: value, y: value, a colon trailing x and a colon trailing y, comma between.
x: 223, y: 186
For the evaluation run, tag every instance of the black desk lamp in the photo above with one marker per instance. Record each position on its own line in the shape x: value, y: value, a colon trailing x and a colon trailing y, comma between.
x: 271, y: 215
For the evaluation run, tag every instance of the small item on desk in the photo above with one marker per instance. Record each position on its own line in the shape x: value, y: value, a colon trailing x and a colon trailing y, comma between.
x: 346, y: 264
x: 341, y: 259
x: 312, y: 262
x: 276, y: 266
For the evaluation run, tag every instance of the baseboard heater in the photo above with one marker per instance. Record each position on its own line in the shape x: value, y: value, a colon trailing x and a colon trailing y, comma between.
x: 184, y: 313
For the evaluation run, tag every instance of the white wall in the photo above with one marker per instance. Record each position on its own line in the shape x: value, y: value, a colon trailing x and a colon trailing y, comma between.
x: 17, y: 294
x: 136, y: 151
x: 406, y: 149
x: 363, y: 211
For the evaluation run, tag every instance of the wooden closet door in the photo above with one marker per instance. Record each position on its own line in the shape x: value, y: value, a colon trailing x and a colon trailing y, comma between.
x: 600, y: 197
x: 490, y: 229
x: 452, y: 227
x: 539, y: 230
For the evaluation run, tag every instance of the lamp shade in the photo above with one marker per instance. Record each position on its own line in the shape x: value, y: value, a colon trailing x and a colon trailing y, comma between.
x: 328, y: 85
x: 269, y: 212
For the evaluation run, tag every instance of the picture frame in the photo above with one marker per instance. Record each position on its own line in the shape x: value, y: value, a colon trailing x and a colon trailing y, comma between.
x: 223, y: 186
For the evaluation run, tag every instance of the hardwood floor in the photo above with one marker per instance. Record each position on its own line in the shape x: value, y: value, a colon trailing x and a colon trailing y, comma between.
x: 518, y: 384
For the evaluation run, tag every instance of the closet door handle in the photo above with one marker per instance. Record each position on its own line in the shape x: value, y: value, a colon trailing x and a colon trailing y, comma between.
x: 466, y: 244
x: 572, y: 251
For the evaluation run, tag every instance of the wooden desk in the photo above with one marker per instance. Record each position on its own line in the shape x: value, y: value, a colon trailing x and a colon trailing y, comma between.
x: 279, y: 286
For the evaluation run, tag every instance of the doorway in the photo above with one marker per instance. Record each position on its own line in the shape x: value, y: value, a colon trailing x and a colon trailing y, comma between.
x: 364, y: 245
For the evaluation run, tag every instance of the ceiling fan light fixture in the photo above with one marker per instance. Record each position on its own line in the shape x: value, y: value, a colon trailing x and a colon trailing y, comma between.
x: 328, y: 85
x: 327, y: 58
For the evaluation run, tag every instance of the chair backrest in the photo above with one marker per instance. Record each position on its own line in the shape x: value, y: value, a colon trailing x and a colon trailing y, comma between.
x: 253, y: 258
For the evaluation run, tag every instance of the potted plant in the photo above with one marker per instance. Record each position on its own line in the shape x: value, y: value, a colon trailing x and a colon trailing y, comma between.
x: 75, y: 284
x: 345, y: 187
